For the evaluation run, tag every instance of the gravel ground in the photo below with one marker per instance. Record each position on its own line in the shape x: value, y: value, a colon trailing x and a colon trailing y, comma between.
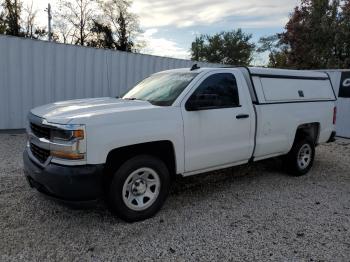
x: 247, y: 213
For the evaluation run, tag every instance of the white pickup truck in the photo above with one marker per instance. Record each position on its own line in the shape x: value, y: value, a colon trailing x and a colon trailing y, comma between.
x: 176, y: 122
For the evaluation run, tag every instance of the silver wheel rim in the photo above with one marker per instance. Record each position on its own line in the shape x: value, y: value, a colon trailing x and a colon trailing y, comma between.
x: 141, y: 189
x: 304, y: 156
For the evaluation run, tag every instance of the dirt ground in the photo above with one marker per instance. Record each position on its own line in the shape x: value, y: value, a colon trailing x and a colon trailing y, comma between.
x: 255, y: 212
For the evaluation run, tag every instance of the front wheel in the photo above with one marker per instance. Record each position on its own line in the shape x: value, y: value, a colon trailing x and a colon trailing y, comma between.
x: 300, y: 159
x: 139, y: 188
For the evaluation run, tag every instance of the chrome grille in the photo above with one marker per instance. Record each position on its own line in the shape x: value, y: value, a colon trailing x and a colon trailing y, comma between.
x: 41, y: 154
x: 40, y: 131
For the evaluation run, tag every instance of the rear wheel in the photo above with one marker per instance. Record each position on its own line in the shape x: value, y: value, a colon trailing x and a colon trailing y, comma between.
x: 139, y: 188
x: 300, y: 159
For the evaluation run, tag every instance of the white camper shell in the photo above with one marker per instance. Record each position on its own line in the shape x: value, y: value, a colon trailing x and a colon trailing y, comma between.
x: 276, y: 85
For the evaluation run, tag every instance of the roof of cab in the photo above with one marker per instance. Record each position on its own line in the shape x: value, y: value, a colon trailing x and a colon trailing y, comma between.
x: 258, y: 71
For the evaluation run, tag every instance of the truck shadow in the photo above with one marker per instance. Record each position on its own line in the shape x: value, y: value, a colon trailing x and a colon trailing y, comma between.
x: 229, y: 175
x: 203, y: 185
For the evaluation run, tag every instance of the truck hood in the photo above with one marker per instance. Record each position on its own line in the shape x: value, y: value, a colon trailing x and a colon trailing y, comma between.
x: 66, y: 111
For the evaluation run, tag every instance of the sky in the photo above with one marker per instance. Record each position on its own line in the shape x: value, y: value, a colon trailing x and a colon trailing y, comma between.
x: 170, y: 26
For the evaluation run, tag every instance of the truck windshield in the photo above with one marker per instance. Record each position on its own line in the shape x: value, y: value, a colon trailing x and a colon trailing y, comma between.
x: 161, y: 89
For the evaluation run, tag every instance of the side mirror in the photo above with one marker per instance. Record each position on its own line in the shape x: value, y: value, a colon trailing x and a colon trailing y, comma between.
x: 192, y: 105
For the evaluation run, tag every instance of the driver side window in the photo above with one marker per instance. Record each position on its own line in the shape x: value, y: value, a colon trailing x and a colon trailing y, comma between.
x: 217, y: 91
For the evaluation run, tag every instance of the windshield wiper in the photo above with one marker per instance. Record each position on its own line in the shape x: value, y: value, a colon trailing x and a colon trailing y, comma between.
x: 132, y: 98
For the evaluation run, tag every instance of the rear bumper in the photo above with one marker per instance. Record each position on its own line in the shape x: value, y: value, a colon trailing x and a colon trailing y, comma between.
x: 67, y: 183
x: 332, y: 137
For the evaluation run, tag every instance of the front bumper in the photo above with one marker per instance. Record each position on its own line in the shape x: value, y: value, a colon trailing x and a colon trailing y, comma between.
x: 67, y: 183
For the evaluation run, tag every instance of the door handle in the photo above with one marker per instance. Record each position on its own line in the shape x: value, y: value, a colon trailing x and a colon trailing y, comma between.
x: 242, y: 116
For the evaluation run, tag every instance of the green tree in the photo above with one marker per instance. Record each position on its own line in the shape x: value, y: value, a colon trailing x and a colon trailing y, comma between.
x: 18, y: 21
x: 269, y: 44
x: 197, y: 48
x: 124, y: 43
x: 11, y: 16
x: 122, y: 22
x: 314, y: 36
x: 344, y: 37
x: 103, y: 36
x: 233, y: 48
x: 278, y: 53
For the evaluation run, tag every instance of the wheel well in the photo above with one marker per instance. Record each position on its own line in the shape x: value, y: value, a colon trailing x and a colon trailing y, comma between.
x: 310, y: 130
x: 164, y: 150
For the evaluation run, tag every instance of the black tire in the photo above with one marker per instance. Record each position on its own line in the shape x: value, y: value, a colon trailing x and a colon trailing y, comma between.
x: 292, y: 158
x: 116, y: 201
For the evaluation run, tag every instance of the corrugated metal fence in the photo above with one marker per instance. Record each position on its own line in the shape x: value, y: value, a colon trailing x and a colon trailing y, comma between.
x: 34, y: 73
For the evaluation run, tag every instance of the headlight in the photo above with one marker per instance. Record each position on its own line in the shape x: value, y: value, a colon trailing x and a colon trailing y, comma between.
x: 68, y: 142
x: 66, y: 135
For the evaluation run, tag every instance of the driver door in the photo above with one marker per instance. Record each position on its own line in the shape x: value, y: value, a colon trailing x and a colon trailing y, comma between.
x: 217, y: 123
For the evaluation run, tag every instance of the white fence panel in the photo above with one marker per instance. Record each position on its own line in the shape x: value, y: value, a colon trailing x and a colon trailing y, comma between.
x: 34, y: 73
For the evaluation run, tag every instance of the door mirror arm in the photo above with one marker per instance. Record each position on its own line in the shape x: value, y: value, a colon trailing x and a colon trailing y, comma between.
x: 192, y: 106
